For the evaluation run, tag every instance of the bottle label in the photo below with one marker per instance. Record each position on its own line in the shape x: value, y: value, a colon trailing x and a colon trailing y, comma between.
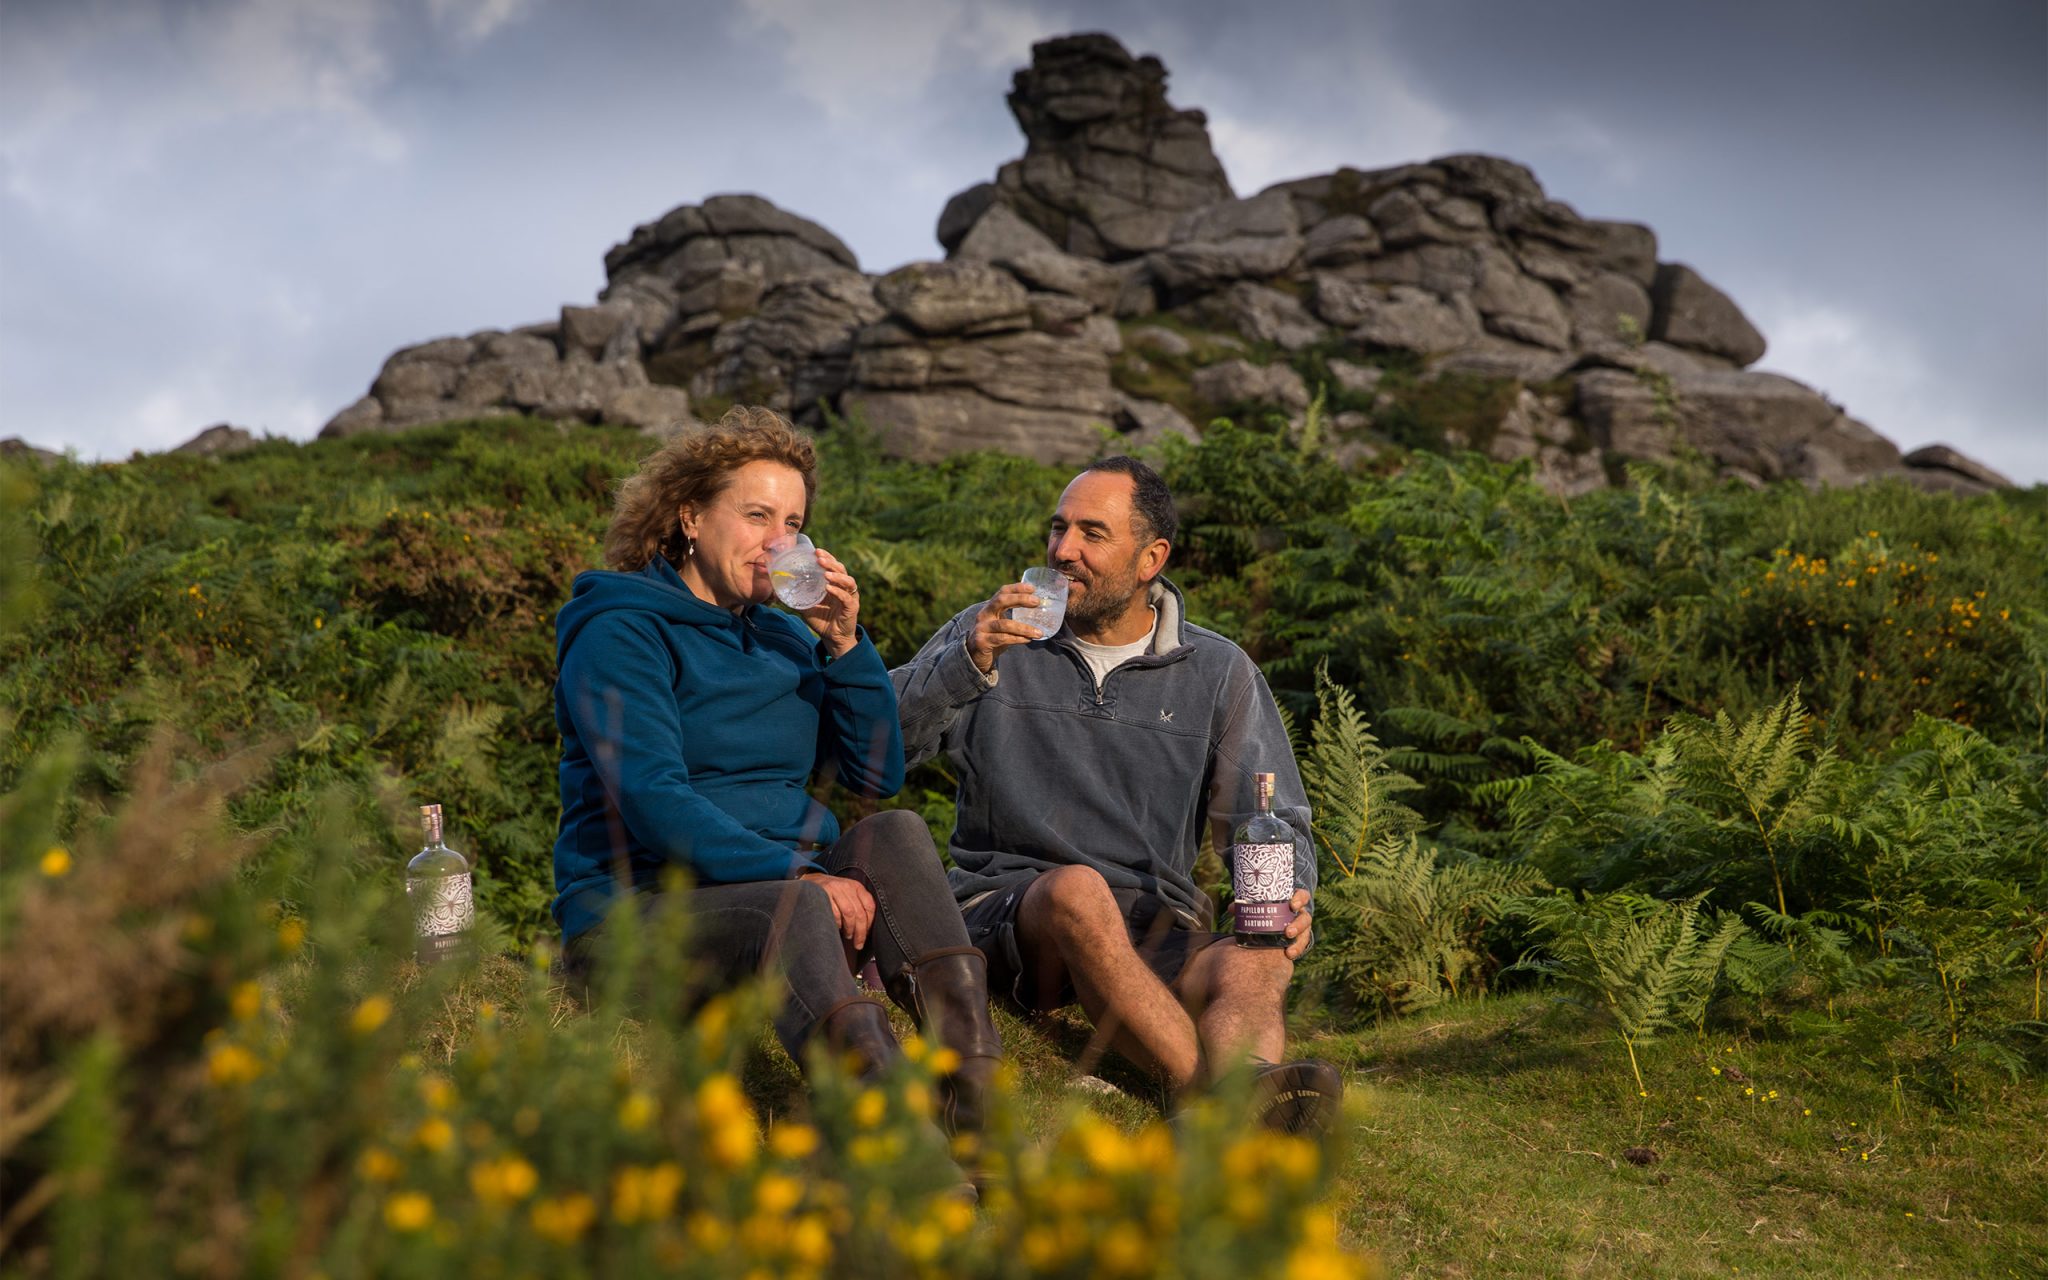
x: 1262, y: 881
x: 442, y: 906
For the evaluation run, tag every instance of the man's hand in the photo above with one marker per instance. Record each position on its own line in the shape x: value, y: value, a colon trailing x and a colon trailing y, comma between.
x: 1300, y: 937
x: 994, y: 633
x: 853, y: 908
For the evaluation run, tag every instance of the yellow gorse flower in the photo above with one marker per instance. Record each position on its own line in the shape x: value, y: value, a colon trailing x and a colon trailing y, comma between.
x: 503, y: 1180
x: 563, y: 1219
x: 955, y: 1217
x: 1102, y: 1145
x: 869, y: 1108
x: 644, y: 1193
x: 231, y: 1064
x: 726, y: 1120
x: 777, y: 1193
x: 875, y: 1148
x: 793, y: 1141
x: 408, y: 1211
x: 707, y: 1232
x: 720, y: 1099
x: 637, y: 1111
x: 1124, y: 1250
x: 810, y: 1240
x: 434, y: 1134
x: 1251, y: 1158
x: 245, y: 1001
x: 56, y: 862
x: 920, y: 1242
x: 712, y: 1021
x: 369, y: 1015
x: 377, y: 1165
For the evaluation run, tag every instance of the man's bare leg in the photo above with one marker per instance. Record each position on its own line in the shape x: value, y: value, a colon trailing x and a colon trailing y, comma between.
x: 1237, y: 997
x: 1069, y: 922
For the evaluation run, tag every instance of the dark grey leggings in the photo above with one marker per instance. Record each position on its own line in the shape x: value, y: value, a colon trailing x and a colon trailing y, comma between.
x: 739, y: 930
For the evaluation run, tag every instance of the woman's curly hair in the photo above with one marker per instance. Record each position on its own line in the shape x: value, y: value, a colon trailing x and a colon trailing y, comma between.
x: 691, y: 470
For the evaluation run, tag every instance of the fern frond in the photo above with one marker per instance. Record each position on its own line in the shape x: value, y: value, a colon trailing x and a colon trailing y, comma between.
x: 1351, y: 787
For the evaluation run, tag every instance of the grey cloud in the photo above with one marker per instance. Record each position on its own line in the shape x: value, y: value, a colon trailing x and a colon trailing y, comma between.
x: 1874, y: 171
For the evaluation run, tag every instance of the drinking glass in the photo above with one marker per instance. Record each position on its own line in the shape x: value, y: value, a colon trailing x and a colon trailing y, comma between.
x: 794, y: 572
x: 1051, y: 587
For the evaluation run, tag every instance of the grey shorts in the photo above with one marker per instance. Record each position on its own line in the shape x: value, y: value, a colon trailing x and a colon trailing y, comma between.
x: 1163, y: 937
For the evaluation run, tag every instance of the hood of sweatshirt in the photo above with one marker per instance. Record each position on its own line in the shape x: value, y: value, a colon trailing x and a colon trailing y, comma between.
x: 655, y: 589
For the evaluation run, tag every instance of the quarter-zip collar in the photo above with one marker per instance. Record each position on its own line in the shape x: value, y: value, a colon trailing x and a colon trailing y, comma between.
x: 1168, y: 644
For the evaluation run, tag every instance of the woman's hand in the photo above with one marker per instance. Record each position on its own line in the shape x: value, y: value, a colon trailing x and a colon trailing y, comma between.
x: 853, y: 908
x: 835, y: 617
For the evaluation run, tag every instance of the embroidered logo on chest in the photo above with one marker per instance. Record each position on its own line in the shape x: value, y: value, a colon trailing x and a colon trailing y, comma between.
x: 1165, y: 715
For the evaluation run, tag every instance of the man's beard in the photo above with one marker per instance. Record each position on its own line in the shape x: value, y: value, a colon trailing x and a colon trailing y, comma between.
x: 1105, y: 599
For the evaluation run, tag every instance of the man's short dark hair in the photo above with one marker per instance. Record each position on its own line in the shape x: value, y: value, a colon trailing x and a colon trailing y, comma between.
x: 1151, y: 501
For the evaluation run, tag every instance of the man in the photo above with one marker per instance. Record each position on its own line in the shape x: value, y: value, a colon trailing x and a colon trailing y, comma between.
x: 1088, y: 762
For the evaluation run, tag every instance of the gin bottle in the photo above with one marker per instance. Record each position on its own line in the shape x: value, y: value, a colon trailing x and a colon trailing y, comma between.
x: 1262, y: 872
x: 437, y: 886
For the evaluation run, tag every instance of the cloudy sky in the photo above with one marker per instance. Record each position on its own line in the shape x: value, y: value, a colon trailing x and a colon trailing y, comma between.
x: 234, y: 209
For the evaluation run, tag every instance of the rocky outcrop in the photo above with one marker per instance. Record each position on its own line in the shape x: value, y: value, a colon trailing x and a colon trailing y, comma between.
x: 1233, y: 383
x: 1688, y: 312
x: 16, y: 449
x: 1108, y: 163
x: 1751, y: 425
x: 218, y: 440
x: 968, y: 357
x: 690, y: 242
x: 1227, y: 242
x: 1942, y: 469
x: 1109, y: 282
x: 525, y: 371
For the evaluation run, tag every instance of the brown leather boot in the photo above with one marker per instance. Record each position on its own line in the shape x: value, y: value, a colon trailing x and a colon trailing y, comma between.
x: 947, y: 992
x: 857, y: 1029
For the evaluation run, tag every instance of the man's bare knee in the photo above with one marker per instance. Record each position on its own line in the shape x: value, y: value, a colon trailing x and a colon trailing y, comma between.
x: 1224, y: 971
x: 1071, y: 904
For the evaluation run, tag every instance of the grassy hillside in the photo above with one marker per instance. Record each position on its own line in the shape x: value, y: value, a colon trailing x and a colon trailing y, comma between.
x: 1759, y: 779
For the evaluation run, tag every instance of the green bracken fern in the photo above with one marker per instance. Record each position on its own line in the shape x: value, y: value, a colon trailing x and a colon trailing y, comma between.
x: 1402, y: 925
x: 1650, y: 965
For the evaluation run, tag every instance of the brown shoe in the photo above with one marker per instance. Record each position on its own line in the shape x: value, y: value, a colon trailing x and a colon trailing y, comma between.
x: 1297, y: 1097
x: 947, y: 992
x: 858, y: 1030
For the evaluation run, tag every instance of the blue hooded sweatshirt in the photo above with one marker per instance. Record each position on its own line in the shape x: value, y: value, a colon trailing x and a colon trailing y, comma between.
x: 690, y: 734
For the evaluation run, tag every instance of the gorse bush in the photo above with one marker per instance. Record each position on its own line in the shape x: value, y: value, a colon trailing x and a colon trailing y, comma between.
x: 196, y: 1083
x: 1475, y: 610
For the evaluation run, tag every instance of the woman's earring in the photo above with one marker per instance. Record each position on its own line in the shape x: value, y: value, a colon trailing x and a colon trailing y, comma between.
x: 692, y: 551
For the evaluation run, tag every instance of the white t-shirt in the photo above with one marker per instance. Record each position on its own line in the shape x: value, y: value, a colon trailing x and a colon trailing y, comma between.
x: 1105, y: 658
x: 1101, y: 658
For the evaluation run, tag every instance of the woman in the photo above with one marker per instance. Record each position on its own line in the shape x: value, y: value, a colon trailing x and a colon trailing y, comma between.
x: 693, y: 720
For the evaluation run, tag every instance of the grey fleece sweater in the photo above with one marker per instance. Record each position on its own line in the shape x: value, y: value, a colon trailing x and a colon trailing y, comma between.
x: 1054, y: 771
